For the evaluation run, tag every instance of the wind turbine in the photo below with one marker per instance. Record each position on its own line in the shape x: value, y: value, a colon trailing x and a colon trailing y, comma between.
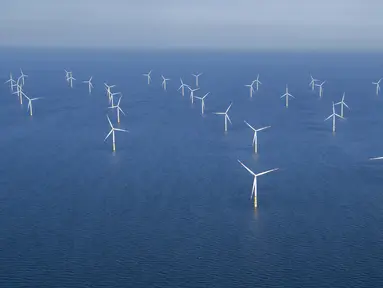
x: 118, y: 108
x: 377, y: 85
x: 255, y: 138
x: 164, y: 82
x: 148, y: 76
x: 18, y: 92
x: 226, y: 115
x: 70, y: 80
x: 108, y: 93
x: 320, y: 88
x: 112, y: 132
x: 11, y: 82
x: 342, y: 103
x: 287, y: 95
x: 257, y: 81
x: 23, y: 76
x: 182, y: 87
x: 30, y: 102
x: 251, y: 88
x: 111, y: 97
x: 203, y: 102
x: 312, y: 83
x: 254, y: 188
x: 192, y: 93
x: 67, y: 74
x: 196, y: 78
x: 333, y: 115
x: 90, y: 85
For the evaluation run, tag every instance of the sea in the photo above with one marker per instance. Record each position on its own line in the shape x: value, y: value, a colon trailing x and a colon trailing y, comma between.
x: 171, y: 206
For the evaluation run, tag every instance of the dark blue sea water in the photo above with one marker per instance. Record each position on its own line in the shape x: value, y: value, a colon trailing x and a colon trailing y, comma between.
x: 171, y: 207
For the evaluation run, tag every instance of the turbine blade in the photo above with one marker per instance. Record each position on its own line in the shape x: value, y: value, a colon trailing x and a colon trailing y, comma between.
x: 268, y: 171
x: 122, y: 130
x: 251, y: 172
x: 250, y: 126
x: 110, y: 123
x: 108, y: 135
x: 263, y: 128
x: 376, y: 158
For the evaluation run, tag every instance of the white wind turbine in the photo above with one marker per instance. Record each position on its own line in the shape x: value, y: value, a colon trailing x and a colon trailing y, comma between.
x: 377, y: 85
x: 111, y: 97
x: 70, y: 80
x: 112, y: 132
x: 164, y: 82
x: 255, y: 138
x: 196, y: 78
x: 118, y: 108
x: 333, y: 115
x: 342, y: 103
x: 23, y: 76
x: 108, y: 93
x: 287, y: 95
x: 192, y: 93
x: 312, y: 83
x: 226, y: 115
x: 320, y: 88
x: 202, y: 101
x: 182, y: 87
x: 12, y: 83
x: 251, y: 88
x: 30, y: 108
x: 148, y: 76
x: 254, y: 188
x: 257, y: 81
x: 18, y: 92
x: 90, y: 85
x: 67, y: 74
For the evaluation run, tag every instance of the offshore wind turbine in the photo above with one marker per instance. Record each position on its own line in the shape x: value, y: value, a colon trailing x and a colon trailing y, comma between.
x: 30, y: 108
x: 11, y: 82
x: 182, y: 87
x: 23, y: 76
x: 333, y: 115
x: 226, y: 115
x: 164, y: 82
x: 257, y: 81
x: 196, y: 78
x: 70, y: 80
x: 251, y: 88
x: 90, y: 85
x: 148, y: 76
x: 255, y: 138
x: 320, y: 88
x: 18, y: 92
x: 287, y: 95
x: 112, y: 132
x: 118, y: 108
x: 108, y: 93
x: 67, y: 75
x: 377, y: 85
x: 192, y: 93
x: 312, y: 83
x: 111, y: 97
x: 342, y: 103
x: 203, y: 101
x: 254, y: 188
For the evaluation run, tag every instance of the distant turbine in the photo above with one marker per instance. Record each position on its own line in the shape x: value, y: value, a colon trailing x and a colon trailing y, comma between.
x: 257, y: 81
x: 196, y: 78
x: 312, y: 83
x: 192, y: 93
x: 377, y: 85
x: 226, y: 115
x: 70, y: 79
x: 148, y: 76
x: 11, y: 82
x: 255, y: 138
x: 164, y: 82
x: 111, y: 97
x: 19, y: 93
x: 67, y: 75
x: 333, y: 115
x: 254, y: 188
x: 342, y: 103
x: 30, y: 102
x: 251, y: 89
x: 23, y: 76
x: 182, y: 87
x: 108, y: 93
x: 90, y: 85
x: 203, y: 102
x: 118, y: 108
x: 112, y: 132
x: 320, y: 88
x: 287, y: 95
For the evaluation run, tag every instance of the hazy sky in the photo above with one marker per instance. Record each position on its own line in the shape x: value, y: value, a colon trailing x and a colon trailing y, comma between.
x: 284, y: 24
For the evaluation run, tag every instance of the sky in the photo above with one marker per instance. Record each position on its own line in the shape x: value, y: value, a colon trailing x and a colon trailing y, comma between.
x: 216, y: 24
